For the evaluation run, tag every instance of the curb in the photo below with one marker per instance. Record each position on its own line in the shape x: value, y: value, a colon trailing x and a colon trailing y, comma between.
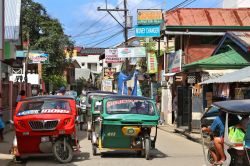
x: 183, y: 132
x: 188, y: 135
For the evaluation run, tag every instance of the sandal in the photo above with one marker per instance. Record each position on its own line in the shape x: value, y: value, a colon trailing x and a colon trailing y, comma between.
x: 219, y: 162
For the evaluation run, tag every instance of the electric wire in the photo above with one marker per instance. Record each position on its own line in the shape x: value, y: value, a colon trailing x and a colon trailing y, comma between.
x: 93, y: 33
x: 116, y: 34
x: 96, y: 41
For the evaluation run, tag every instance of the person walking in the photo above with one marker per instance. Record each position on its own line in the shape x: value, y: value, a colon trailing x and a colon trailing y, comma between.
x: 2, y: 126
x: 21, y: 96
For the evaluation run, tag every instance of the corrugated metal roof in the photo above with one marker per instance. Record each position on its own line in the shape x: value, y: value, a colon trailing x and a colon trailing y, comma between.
x: 242, y: 75
x: 208, y: 17
x: 12, y: 19
x: 230, y: 58
x: 92, y: 51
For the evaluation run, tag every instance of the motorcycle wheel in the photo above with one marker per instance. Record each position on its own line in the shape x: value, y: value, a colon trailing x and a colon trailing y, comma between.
x: 94, y: 150
x: 59, y: 153
x: 147, y: 148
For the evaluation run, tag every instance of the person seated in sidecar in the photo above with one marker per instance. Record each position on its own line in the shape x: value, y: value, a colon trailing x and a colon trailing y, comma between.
x: 243, y: 122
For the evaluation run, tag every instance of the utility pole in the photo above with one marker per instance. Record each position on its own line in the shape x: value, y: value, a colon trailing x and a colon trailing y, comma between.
x: 125, y: 26
x: 126, y: 33
x: 1, y: 45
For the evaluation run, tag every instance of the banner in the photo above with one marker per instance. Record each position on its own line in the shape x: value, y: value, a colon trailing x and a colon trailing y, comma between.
x: 111, y: 56
x: 152, y: 63
x: 132, y: 52
x: 38, y: 57
x: 175, y: 60
x: 108, y: 72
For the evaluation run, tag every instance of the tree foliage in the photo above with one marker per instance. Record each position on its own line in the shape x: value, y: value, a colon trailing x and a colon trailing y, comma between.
x: 46, y: 34
x: 57, y: 81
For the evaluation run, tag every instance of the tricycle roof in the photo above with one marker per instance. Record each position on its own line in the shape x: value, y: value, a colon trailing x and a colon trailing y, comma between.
x: 119, y: 97
x: 241, y: 107
x: 48, y: 97
x: 99, y: 91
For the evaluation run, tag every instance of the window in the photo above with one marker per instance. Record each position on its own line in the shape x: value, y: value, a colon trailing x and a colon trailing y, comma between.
x: 92, y: 66
x: 129, y: 106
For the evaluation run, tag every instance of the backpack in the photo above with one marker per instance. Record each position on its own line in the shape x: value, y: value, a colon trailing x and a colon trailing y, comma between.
x: 236, y: 135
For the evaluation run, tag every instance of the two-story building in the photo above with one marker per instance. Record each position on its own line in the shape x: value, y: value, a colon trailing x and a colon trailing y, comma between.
x: 196, y: 32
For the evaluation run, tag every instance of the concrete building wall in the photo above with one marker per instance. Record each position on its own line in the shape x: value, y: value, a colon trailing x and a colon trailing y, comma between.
x: 91, y: 62
x: 236, y: 3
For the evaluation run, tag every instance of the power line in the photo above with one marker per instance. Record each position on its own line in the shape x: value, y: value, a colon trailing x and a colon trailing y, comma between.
x: 93, y: 33
x: 182, y: 4
x: 108, y: 38
x: 103, y: 38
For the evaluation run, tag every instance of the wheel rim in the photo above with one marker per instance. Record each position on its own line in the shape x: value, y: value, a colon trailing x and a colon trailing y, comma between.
x: 64, y: 155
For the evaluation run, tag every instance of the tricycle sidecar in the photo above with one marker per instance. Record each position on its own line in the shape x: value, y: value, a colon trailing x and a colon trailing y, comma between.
x: 90, y: 96
x: 125, y: 123
x: 45, y: 125
x: 237, y: 153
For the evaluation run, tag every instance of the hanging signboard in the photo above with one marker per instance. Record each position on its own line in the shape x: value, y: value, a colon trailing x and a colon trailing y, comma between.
x: 175, y: 61
x: 109, y: 72
x: 148, y: 31
x: 149, y: 17
x: 152, y: 63
x: 38, y: 57
x: 132, y: 52
x: 111, y: 56
x: 107, y: 85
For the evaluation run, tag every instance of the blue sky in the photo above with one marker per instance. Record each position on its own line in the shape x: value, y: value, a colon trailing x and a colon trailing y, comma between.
x: 83, y: 22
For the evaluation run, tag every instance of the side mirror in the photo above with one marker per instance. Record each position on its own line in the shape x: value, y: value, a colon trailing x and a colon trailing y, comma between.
x: 161, y: 121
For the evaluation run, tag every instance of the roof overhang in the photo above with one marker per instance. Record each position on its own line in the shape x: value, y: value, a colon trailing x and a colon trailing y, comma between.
x: 195, y: 33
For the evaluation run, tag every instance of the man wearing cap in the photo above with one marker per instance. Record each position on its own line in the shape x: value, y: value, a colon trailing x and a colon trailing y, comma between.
x: 61, y: 91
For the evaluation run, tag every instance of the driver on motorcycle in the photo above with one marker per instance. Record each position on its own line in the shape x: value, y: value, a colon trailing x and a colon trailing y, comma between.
x: 218, y: 124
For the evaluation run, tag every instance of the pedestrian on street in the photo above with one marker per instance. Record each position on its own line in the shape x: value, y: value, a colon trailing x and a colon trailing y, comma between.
x: 61, y: 91
x: 21, y: 96
x: 175, y: 108
x: 2, y: 126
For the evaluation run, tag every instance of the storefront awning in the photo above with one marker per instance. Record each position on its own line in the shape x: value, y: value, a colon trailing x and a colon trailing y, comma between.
x: 242, y: 75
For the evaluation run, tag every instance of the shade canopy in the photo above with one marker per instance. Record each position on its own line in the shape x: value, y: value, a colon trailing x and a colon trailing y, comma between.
x: 242, y: 75
x: 241, y: 107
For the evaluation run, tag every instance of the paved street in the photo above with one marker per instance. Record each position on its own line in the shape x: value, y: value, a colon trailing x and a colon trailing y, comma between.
x: 172, y: 149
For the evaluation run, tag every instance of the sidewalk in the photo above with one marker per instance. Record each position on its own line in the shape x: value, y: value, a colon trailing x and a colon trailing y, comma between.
x: 5, y: 156
x: 194, y: 136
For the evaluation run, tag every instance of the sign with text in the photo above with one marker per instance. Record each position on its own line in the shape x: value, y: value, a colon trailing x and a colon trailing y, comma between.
x: 38, y: 57
x: 111, y: 56
x: 148, y: 31
x: 107, y: 85
x: 175, y: 61
x: 149, y: 17
x: 152, y: 63
x: 132, y: 52
x: 109, y: 72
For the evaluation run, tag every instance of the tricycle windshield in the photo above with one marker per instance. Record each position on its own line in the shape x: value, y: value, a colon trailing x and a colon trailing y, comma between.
x: 44, y: 107
x: 127, y: 106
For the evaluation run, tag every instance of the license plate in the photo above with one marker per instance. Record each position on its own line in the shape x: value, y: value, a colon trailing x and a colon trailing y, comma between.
x: 44, y: 139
